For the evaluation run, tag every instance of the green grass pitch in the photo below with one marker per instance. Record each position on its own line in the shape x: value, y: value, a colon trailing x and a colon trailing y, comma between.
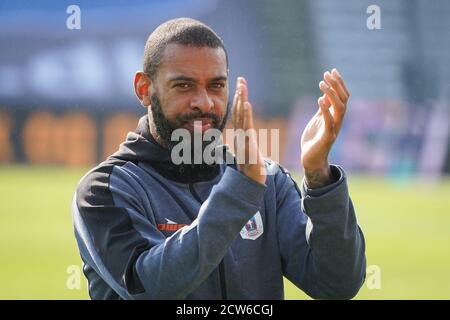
x: 406, y: 225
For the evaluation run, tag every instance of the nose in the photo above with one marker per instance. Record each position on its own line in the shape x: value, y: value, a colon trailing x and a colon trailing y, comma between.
x: 202, y: 101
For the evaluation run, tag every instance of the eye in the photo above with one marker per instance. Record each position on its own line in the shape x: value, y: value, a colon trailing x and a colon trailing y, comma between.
x: 183, y: 85
x: 217, y: 85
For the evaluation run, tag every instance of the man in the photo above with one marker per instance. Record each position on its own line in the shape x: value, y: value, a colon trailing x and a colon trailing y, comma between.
x: 148, y: 228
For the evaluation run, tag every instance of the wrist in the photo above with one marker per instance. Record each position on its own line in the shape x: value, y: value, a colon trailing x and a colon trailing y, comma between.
x: 320, y: 177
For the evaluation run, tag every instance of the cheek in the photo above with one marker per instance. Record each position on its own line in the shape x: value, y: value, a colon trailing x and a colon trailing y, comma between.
x: 220, y: 105
x: 220, y: 100
x: 173, y: 106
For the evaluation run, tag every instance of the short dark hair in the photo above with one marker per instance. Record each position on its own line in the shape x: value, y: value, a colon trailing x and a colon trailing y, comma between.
x: 184, y: 31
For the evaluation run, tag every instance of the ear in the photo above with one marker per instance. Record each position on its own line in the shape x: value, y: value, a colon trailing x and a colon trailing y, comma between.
x: 142, y: 84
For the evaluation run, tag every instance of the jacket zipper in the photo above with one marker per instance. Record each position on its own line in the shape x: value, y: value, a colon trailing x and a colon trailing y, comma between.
x: 223, y: 286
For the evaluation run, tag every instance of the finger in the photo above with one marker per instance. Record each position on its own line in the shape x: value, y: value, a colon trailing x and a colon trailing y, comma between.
x: 248, y: 116
x: 245, y: 91
x: 239, y: 108
x: 247, y: 140
x: 240, y: 139
x: 327, y: 101
x: 333, y: 83
x: 234, y: 109
x: 251, y: 142
x: 235, y: 102
x: 339, y: 78
x: 326, y: 114
x: 328, y: 104
x: 242, y: 94
x: 338, y: 108
x: 333, y: 97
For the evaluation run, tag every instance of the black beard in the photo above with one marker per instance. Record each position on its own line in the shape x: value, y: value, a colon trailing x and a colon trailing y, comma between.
x: 165, y: 128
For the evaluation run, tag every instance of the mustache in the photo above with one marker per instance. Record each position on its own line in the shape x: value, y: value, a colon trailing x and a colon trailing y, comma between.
x: 198, y: 114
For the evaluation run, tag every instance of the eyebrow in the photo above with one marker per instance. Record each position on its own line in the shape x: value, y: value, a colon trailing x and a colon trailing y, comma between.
x: 184, y: 78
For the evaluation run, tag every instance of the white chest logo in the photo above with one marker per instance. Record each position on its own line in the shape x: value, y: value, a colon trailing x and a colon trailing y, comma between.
x: 253, y: 228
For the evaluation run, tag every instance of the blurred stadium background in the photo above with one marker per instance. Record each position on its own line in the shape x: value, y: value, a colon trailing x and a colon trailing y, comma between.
x: 66, y: 102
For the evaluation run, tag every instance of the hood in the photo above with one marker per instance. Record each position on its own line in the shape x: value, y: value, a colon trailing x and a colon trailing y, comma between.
x: 140, y: 146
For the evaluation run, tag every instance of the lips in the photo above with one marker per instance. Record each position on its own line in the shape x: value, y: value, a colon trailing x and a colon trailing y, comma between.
x: 200, y: 124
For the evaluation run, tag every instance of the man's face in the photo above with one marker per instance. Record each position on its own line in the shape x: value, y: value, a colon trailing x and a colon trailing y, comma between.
x: 190, y: 86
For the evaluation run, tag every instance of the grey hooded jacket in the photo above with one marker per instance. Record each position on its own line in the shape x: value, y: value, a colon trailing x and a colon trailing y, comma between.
x: 145, y: 231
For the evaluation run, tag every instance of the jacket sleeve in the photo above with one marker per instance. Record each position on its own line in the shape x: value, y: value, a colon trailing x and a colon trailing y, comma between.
x: 322, y: 247
x: 134, y: 258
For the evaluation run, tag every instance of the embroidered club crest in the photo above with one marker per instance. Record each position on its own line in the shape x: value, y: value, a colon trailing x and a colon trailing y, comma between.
x: 253, y: 228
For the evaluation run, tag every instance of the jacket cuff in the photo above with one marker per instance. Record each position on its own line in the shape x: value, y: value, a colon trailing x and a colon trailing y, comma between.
x: 333, y: 198
x: 338, y: 175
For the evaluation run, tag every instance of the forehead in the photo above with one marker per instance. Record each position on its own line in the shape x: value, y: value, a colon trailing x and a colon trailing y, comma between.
x: 190, y: 61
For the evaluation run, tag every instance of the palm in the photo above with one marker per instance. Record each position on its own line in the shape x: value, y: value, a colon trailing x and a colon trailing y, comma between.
x: 316, y: 141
